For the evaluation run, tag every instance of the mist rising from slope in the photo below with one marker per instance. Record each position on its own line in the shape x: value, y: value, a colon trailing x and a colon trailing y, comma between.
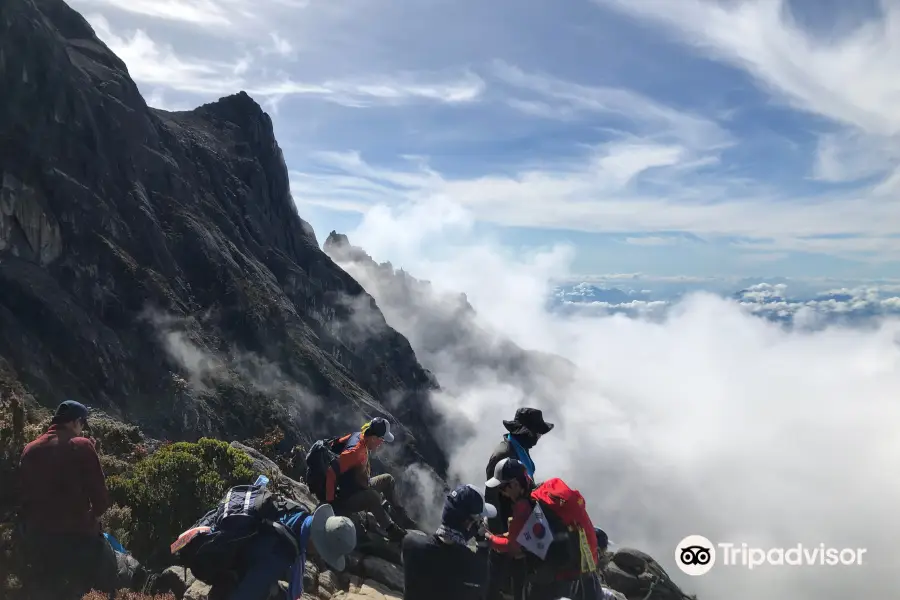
x: 712, y: 422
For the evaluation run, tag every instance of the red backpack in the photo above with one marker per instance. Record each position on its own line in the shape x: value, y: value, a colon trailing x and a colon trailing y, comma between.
x: 573, y: 551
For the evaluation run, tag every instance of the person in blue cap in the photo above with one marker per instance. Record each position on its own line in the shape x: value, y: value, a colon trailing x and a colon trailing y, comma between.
x: 442, y: 566
x: 63, y: 496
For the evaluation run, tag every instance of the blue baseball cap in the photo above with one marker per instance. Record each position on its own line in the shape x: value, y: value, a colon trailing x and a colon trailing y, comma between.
x: 466, y: 500
x: 69, y: 411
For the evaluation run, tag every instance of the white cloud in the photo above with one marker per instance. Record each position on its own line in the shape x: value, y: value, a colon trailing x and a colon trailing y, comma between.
x: 597, y: 193
x: 564, y: 99
x: 158, y: 99
x: 789, y: 303
x: 652, y: 240
x: 711, y: 422
x: 157, y: 65
x: 849, y: 79
x: 850, y: 156
x: 280, y: 45
x: 382, y: 90
x: 207, y: 13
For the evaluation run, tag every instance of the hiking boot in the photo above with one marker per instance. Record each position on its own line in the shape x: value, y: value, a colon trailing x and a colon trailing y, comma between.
x: 399, y: 515
x: 396, y: 533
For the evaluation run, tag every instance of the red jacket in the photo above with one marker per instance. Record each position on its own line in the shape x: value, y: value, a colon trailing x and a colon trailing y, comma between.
x: 63, y: 486
x: 550, y: 490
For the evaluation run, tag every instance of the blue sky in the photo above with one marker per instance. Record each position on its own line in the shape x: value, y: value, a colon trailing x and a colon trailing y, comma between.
x: 688, y: 137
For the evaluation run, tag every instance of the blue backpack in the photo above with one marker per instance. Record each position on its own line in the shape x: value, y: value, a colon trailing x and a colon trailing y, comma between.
x: 212, y: 545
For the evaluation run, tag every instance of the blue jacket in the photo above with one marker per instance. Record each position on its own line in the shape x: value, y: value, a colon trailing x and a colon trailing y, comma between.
x: 291, y: 520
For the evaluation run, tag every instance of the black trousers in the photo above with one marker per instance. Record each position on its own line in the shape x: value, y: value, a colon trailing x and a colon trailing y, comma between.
x: 68, y: 565
x: 587, y: 587
x: 505, y: 574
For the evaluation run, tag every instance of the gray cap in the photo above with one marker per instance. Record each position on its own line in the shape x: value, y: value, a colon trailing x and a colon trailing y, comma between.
x: 506, y: 470
x: 334, y: 537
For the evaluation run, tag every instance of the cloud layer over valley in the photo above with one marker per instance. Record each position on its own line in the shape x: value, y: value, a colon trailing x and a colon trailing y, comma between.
x: 710, y: 421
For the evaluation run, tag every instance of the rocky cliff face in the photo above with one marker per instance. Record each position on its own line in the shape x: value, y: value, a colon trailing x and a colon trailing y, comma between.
x: 153, y: 263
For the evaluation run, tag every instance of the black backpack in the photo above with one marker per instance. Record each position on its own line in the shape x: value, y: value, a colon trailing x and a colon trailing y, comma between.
x: 211, y: 547
x: 323, y: 455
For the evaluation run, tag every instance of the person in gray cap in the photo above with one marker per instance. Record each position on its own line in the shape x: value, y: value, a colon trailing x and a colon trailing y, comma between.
x: 63, y: 496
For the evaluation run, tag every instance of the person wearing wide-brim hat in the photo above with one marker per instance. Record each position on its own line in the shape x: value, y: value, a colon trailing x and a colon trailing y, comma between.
x: 524, y: 431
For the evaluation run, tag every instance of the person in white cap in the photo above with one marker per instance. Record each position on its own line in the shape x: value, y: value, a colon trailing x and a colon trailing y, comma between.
x: 441, y: 566
x: 350, y: 488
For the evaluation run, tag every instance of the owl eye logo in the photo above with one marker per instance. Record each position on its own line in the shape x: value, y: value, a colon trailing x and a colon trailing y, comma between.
x: 695, y: 555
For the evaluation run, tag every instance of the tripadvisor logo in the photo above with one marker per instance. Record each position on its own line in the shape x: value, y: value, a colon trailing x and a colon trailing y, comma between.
x: 696, y: 555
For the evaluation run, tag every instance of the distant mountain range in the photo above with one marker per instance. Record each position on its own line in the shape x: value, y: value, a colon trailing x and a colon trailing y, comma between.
x: 777, y: 299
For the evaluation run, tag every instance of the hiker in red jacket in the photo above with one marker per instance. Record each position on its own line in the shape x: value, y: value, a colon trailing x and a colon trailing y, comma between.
x: 63, y: 497
x: 569, y: 568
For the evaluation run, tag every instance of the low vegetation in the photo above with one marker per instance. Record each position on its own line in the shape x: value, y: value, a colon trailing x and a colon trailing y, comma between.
x: 158, y: 489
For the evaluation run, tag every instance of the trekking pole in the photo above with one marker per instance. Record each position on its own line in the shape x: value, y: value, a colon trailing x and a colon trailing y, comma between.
x: 652, y: 586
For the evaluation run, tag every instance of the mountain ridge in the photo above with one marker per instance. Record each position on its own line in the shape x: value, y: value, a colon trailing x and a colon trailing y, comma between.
x: 153, y: 263
x: 445, y: 332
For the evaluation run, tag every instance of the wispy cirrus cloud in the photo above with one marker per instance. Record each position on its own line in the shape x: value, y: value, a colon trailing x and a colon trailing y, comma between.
x: 158, y: 65
x: 558, y: 98
x: 599, y: 194
x: 847, y: 77
x: 206, y: 13
x: 665, y: 135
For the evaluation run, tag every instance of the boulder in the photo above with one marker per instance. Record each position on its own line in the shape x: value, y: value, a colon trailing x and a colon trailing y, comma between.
x: 367, y: 590
x: 383, y: 572
x: 638, y: 576
x: 197, y: 591
x: 174, y: 580
x: 263, y: 465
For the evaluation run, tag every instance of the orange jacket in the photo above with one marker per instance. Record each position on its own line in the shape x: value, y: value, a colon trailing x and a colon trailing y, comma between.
x: 353, y: 465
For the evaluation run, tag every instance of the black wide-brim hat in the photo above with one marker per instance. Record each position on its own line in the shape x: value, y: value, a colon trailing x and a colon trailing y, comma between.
x: 530, y: 420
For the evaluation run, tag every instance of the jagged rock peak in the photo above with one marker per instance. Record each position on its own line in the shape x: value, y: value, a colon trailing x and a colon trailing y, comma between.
x: 336, y: 239
x: 240, y: 109
x: 338, y: 246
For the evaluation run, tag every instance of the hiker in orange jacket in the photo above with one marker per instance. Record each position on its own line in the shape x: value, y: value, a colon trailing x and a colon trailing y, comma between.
x: 353, y: 489
x: 571, y: 527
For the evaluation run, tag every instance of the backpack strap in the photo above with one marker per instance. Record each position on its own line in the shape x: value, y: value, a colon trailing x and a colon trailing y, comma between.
x: 285, y: 533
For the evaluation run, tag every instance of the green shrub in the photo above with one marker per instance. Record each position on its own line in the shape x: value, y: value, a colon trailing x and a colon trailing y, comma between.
x: 172, y: 488
x: 117, y: 521
x: 115, y: 438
